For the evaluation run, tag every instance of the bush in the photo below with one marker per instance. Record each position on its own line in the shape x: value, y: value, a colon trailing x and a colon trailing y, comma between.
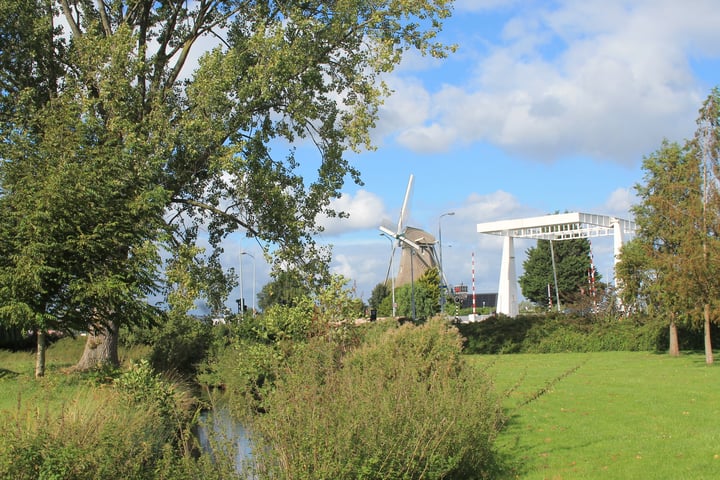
x: 403, y: 406
x: 557, y: 333
x: 248, y: 366
x: 181, y: 344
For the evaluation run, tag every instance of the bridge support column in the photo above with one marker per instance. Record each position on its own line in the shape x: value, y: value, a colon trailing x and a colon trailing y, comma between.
x: 507, y: 289
x: 618, y: 241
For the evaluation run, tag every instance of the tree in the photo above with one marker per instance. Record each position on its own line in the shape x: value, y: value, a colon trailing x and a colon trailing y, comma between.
x: 77, y: 226
x: 652, y: 266
x: 284, y: 289
x: 679, y: 224
x: 572, y: 263
x: 378, y: 294
x: 190, y: 152
x: 706, y: 145
x: 426, y: 296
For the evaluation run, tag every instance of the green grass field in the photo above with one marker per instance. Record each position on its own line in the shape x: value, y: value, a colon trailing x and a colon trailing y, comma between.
x: 19, y: 387
x: 611, y: 415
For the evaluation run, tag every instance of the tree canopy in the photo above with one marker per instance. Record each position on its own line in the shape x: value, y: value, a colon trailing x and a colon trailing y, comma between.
x: 130, y: 154
x: 672, y: 265
x: 572, y: 264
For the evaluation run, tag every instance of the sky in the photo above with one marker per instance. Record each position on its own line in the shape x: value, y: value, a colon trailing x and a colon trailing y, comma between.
x: 546, y: 106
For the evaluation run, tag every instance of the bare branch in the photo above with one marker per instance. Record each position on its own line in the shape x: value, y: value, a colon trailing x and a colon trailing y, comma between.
x: 104, y: 18
x: 69, y: 17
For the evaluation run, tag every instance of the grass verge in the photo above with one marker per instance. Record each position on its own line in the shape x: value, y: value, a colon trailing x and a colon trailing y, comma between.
x: 611, y: 415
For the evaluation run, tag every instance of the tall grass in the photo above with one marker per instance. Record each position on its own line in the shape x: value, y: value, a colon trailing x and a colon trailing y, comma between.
x: 95, y: 435
x: 612, y: 415
x: 403, y: 406
x: 106, y: 424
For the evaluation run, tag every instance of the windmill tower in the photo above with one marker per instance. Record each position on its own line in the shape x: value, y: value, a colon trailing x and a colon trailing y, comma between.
x: 422, y: 258
x: 417, y: 247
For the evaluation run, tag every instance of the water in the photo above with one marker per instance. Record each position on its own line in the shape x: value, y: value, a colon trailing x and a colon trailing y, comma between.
x: 219, y: 430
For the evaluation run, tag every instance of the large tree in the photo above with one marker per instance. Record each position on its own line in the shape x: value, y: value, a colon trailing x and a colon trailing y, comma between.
x: 179, y: 152
x: 651, y: 267
x: 572, y: 264
x: 679, y: 229
x: 706, y: 268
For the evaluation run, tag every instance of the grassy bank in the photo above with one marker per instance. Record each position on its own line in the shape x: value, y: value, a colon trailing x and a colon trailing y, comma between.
x: 132, y: 423
x: 609, y: 415
x: 612, y: 415
x: 17, y: 384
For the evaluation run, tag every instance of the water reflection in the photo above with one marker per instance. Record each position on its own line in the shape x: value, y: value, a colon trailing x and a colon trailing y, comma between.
x: 224, y: 437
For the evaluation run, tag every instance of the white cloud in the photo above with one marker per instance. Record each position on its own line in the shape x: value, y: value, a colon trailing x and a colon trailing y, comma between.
x: 497, y: 205
x: 431, y: 139
x: 609, y: 79
x: 365, y: 264
x: 619, y: 203
x: 366, y: 211
x: 401, y: 111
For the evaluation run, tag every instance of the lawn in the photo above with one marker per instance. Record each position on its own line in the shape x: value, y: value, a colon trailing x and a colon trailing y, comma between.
x: 611, y: 415
x: 19, y: 387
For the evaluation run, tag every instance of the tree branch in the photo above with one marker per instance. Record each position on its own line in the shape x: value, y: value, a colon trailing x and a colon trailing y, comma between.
x: 104, y: 18
x: 69, y: 17
x: 215, y: 211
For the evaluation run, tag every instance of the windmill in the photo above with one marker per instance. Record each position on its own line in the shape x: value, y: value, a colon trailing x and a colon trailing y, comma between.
x: 417, y: 247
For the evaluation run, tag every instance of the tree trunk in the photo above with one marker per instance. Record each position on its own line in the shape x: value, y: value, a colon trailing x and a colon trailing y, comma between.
x: 101, y: 348
x: 708, y: 341
x: 674, y: 343
x: 40, y: 355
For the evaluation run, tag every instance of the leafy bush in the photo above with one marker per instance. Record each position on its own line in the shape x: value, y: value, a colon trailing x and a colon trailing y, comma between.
x: 249, y: 365
x: 395, y: 407
x: 129, y: 425
x: 557, y: 333
x: 280, y: 322
x: 181, y: 344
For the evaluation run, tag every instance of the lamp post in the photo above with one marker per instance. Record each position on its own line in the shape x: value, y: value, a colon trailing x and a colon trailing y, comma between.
x: 392, y: 277
x: 442, y: 272
x: 412, y: 284
x: 241, y: 301
x: 253, y: 288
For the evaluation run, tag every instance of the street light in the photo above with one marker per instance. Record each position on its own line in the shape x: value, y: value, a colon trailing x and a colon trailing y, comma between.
x: 442, y: 272
x: 253, y: 289
x: 241, y: 302
x: 392, y: 278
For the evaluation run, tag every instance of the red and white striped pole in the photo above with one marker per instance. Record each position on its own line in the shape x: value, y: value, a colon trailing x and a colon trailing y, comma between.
x: 592, y: 273
x: 473, y: 281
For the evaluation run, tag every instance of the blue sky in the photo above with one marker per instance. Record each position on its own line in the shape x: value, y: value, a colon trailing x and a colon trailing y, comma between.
x: 546, y: 106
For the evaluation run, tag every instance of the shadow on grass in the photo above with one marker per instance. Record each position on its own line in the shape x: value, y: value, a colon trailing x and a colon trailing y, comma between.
x: 511, y: 459
x: 8, y: 373
x: 510, y: 462
x: 698, y: 357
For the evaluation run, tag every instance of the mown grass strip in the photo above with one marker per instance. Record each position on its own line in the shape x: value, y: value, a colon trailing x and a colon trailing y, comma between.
x: 616, y: 415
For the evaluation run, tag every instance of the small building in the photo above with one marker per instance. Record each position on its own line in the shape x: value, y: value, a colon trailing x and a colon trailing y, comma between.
x: 464, y: 299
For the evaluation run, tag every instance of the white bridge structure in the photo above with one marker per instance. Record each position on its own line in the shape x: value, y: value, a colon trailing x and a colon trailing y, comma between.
x: 563, y: 226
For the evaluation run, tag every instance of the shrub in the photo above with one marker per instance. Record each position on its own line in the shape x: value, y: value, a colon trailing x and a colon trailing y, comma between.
x: 248, y: 366
x: 402, y: 406
x: 557, y: 333
x: 181, y: 344
x: 280, y: 322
